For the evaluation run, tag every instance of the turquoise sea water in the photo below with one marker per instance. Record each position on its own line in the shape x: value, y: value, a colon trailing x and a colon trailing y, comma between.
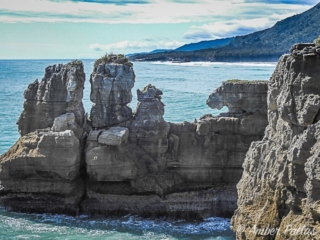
x: 185, y: 86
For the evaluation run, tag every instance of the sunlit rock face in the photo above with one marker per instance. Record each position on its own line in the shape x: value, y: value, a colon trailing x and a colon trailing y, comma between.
x: 280, y: 185
x: 59, y: 92
x: 111, y: 84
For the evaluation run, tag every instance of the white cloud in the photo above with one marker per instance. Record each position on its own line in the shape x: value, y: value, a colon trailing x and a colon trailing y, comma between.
x: 157, y: 11
x: 233, y: 27
x: 133, y: 45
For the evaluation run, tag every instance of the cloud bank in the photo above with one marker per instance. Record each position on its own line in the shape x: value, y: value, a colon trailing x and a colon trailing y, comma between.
x: 143, y: 11
x: 133, y: 45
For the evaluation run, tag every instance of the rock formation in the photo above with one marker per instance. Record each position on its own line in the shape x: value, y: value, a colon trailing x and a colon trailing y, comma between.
x: 59, y: 92
x: 40, y: 173
x: 111, y: 84
x: 120, y: 163
x: 279, y: 189
x: 148, y: 129
x: 240, y: 96
x: 181, y: 170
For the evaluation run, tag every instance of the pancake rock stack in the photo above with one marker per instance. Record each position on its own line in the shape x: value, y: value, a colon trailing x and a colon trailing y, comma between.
x: 111, y: 84
x: 41, y: 172
x: 60, y: 91
x: 116, y: 162
x: 280, y: 186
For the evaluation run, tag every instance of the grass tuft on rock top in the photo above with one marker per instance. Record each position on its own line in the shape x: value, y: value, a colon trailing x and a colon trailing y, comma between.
x: 113, y: 58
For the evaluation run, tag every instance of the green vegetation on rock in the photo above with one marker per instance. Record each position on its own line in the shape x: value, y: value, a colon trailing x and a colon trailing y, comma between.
x: 112, y: 58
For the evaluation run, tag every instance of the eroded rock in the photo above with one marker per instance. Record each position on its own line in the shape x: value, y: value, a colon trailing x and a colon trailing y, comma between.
x: 111, y: 84
x: 59, y: 92
x: 114, y: 136
x: 42, y: 167
x: 279, y: 187
x: 240, y: 96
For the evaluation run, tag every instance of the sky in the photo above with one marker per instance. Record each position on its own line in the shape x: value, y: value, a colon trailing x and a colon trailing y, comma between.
x: 80, y: 29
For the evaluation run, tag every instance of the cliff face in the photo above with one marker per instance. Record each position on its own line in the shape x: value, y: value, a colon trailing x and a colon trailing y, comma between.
x: 120, y: 163
x: 279, y: 188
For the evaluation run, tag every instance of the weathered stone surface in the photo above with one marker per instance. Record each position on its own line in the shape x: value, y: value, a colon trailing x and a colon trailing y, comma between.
x: 111, y: 85
x: 142, y: 165
x: 179, y: 170
x: 280, y: 185
x: 114, y: 136
x: 117, y: 163
x: 67, y: 122
x: 213, y: 149
x: 59, y: 92
x: 148, y: 129
x: 42, y: 167
x: 240, y: 96
x: 197, y: 204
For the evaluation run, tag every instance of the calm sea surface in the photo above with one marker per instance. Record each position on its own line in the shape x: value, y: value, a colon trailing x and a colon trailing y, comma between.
x: 185, y: 87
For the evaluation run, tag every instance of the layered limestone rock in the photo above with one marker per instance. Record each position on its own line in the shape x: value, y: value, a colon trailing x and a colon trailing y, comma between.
x: 59, y: 92
x: 40, y: 173
x: 148, y: 129
x: 119, y: 163
x: 111, y: 83
x: 240, y: 96
x: 280, y: 186
x: 185, y: 170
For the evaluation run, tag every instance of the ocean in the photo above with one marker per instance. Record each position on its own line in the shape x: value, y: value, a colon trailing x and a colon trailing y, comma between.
x: 185, y: 86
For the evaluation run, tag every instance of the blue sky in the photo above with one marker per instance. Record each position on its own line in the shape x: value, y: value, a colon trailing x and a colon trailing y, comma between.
x: 70, y: 29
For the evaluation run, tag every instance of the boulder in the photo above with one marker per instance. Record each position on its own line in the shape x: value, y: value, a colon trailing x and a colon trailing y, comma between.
x: 114, y: 136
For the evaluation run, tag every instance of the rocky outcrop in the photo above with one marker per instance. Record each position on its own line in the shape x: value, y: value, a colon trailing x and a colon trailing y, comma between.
x: 180, y: 170
x: 111, y: 83
x: 40, y: 173
x: 240, y: 96
x: 116, y: 162
x: 148, y: 129
x: 279, y: 189
x: 59, y: 92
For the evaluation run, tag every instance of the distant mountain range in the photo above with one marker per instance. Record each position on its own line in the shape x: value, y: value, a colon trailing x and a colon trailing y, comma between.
x: 204, y: 45
x: 265, y: 45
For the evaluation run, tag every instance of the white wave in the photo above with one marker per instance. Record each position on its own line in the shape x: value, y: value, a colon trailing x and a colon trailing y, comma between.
x: 207, y: 64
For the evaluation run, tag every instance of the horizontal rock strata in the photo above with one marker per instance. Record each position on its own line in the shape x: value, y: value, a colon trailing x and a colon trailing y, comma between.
x: 279, y: 188
x: 59, y: 92
x: 40, y: 173
x: 111, y: 84
x: 116, y: 162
